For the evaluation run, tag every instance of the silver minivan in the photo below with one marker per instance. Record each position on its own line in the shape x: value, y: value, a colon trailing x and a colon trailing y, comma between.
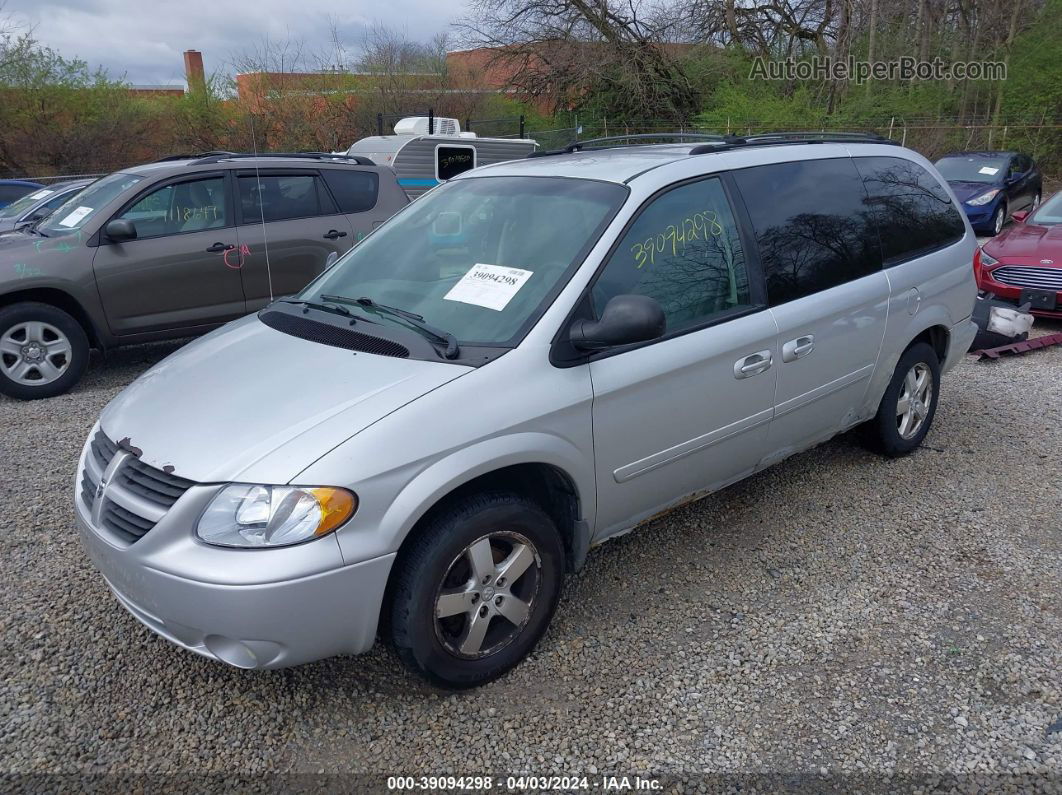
x: 532, y: 358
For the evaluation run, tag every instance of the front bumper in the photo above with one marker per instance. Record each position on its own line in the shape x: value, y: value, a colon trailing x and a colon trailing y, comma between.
x: 1006, y: 292
x: 255, y: 608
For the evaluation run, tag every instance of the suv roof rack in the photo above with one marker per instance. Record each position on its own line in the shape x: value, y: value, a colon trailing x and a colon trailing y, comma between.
x: 577, y: 146
x: 217, y: 157
x: 720, y: 143
x: 812, y: 137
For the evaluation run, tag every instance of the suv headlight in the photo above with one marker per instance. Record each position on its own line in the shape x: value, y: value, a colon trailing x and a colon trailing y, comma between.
x: 984, y: 198
x: 248, y: 515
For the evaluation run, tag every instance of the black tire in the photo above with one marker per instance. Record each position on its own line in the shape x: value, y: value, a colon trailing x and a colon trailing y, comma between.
x: 75, y: 364
x: 999, y: 215
x: 433, y: 563
x: 883, y: 432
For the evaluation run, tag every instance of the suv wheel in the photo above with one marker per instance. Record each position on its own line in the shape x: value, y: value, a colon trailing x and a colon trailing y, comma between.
x: 909, y: 403
x: 476, y: 590
x: 43, y: 351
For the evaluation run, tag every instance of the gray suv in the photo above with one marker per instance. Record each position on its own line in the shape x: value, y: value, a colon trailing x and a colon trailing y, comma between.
x: 173, y: 249
x: 530, y: 359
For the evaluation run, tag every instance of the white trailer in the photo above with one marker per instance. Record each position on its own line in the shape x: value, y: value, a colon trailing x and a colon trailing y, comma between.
x: 422, y: 160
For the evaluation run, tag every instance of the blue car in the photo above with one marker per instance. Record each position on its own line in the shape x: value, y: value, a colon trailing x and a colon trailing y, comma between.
x: 992, y: 186
x: 12, y: 189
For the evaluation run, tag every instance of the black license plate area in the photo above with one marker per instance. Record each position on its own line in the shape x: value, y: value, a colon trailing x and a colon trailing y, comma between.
x: 1039, y: 299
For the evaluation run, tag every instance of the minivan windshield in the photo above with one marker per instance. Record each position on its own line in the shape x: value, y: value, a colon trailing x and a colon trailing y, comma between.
x: 972, y: 168
x: 72, y: 215
x: 475, y: 257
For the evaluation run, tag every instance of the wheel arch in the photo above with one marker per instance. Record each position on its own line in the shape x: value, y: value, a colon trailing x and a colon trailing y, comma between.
x: 60, y: 299
x: 932, y: 326
x: 553, y: 481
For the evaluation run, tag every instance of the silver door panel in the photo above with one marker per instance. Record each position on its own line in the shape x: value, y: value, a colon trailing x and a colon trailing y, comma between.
x: 671, y: 420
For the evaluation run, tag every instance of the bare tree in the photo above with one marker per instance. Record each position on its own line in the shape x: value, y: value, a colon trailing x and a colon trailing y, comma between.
x: 559, y: 52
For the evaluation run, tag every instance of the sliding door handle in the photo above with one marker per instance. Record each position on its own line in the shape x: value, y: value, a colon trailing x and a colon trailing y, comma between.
x: 753, y: 364
x: 794, y: 349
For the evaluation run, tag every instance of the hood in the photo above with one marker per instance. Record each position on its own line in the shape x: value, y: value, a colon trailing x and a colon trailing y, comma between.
x: 248, y: 403
x: 1027, y: 244
x: 964, y: 191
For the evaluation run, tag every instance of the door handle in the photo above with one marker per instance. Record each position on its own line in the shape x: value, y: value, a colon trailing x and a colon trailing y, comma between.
x: 753, y: 364
x: 333, y: 234
x: 794, y: 349
x: 217, y: 248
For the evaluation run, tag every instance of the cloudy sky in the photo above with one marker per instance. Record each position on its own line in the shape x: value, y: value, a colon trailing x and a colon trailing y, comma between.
x: 144, y: 40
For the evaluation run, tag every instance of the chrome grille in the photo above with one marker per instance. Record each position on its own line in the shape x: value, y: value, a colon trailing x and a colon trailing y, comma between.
x: 138, y: 495
x: 1029, y: 276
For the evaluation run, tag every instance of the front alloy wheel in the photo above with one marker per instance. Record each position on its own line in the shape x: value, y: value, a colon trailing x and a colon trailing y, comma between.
x: 487, y: 595
x: 34, y: 353
x: 43, y: 350
x: 475, y: 587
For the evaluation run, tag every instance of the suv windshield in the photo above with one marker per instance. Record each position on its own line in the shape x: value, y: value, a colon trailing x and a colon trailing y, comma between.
x: 476, y: 257
x: 974, y: 168
x: 1049, y: 213
x: 73, y: 214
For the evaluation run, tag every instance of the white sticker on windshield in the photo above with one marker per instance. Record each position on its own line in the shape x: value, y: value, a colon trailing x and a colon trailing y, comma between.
x: 74, y: 217
x: 490, y: 286
x: 989, y: 171
x: 41, y: 194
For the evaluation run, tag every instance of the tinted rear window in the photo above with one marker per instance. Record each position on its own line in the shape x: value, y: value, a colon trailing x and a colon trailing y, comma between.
x: 280, y: 197
x: 355, y: 191
x: 911, y: 209
x: 812, y: 225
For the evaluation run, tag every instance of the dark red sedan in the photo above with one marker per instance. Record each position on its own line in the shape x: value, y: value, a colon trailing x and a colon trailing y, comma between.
x: 1024, y: 264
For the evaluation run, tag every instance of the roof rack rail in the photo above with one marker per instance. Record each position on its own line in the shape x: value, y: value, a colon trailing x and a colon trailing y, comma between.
x: 769, y: 139
x: 217, y: 157
x: 188, y: 156
x: 577, y: 146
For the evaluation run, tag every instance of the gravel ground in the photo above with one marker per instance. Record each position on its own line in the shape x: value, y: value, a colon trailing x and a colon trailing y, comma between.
x: 837, y: 615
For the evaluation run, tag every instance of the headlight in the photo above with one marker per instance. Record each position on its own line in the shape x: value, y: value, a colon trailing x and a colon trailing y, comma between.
x: 245, y: 515
x: 987, y: 260
x: 984, y: 198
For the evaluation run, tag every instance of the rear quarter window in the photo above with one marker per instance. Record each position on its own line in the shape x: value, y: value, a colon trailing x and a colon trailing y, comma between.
x: 355, y: 191
x: 913, y: 213
x: 812, y: 225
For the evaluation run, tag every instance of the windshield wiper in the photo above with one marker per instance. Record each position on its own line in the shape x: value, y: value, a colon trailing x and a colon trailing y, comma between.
x: 331, y: 306
x: 416, y: 321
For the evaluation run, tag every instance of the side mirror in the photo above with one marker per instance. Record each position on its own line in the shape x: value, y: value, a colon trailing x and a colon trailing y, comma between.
x: 120, y: 230
x: 1020, y: 216
x: 627, y: 319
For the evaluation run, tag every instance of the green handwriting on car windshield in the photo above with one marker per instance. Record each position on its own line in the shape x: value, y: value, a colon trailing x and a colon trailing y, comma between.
x: 676, y: 237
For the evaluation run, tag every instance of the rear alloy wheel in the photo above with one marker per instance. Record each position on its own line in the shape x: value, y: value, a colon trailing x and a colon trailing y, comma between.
x: 43, y: 351
x: 910, y: 401
x: 475, y: 590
